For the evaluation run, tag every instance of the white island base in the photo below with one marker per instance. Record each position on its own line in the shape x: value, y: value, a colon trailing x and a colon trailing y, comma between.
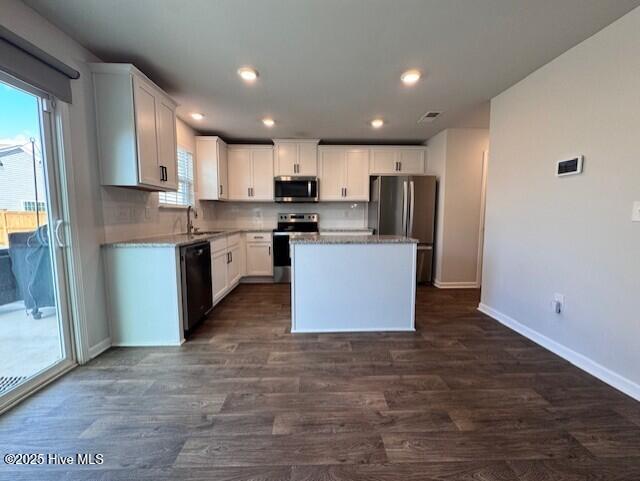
x: 349, y: 284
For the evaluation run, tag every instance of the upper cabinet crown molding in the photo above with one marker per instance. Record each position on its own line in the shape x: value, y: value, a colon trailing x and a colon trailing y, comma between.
x: 295, y: 157
x: 398, y: 160
x: 211, y: 159
x: 136, y: 128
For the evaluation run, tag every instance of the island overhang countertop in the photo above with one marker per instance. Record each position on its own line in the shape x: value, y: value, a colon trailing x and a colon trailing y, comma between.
x: 350, y: 239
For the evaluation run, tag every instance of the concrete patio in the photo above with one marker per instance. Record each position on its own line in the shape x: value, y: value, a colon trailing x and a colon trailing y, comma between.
x: 27, y: 345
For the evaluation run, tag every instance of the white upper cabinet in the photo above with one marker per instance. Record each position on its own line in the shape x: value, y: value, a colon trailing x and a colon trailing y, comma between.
x: 357, y: 174
x: 136, y: 124
x: 250, y: 172
x: 262, y: 173
x: 398, y: 160
x: 344, y: 173
x: 295, y: 157
x: 211, y: 158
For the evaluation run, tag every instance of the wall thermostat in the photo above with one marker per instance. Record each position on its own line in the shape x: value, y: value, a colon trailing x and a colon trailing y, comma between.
x: 570, y: 166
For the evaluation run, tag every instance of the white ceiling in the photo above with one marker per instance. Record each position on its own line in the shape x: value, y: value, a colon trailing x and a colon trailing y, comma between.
x: 327, y: 67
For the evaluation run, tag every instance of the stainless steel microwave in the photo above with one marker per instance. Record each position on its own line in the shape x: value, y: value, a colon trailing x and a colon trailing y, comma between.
x: 295, y: 189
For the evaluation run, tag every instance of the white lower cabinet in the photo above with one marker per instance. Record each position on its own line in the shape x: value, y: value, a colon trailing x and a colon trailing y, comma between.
x: 259, y: 254
x: 229, y: 261
x: 219, y: 275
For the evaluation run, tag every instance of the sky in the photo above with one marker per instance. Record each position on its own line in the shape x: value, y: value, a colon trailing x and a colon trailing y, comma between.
x: 18, y: 116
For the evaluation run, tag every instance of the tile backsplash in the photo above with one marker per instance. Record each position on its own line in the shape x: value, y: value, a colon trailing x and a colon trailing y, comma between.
x: 264, y: 215
x: 134, y: 214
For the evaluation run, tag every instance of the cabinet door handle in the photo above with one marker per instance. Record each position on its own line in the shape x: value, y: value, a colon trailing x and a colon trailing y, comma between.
x: 248, y: 191
x: 161, y: 173
x: 345, y: 191
x: 269, y: 250
x: 399, y: 166
x: 220, y: 189
x: 230, y: 256
x: 166, y: 175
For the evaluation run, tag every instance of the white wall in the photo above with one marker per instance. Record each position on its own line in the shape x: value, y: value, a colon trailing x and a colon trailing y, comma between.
x: 456, y: 158
x: 89, y: 232
x: 571, y: 235
x: 437, y: 153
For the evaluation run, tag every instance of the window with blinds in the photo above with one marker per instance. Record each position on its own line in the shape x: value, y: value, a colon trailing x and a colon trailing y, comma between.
x: 185, y: 195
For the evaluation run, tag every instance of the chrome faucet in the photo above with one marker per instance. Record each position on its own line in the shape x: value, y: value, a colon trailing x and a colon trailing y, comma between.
x: 190, y: 228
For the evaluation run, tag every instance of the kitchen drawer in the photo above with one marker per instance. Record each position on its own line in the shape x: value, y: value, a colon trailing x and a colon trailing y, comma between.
x: 258, y: 236
x: 233, y: 240
x: 218, y: 244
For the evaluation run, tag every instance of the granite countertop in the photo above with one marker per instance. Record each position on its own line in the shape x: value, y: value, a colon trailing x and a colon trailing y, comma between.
x: 340, y: 229
x: 179, y: 240
x: 351, y: 239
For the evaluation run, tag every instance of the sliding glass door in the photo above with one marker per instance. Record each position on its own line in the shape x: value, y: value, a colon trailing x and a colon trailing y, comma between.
x: 35, y: 340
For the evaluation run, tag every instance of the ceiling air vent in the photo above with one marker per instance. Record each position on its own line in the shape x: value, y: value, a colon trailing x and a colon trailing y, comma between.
x: 428, y: 117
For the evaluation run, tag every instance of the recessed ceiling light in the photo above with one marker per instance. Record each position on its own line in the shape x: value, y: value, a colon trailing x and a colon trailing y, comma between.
x: 269, y: 122
x: 248, y: 74
x: 197, y: 116
x: 377, y: 123
x: 410, y: 77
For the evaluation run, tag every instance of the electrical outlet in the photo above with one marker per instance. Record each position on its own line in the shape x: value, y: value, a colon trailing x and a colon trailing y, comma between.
x: 635, y: 216
x: 558, y: 303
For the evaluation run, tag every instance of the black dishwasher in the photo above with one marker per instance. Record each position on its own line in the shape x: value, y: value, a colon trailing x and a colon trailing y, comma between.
x: 197, y: 298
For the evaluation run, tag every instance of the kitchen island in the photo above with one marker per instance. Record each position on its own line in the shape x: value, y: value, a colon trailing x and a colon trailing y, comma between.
x: 352, y: 283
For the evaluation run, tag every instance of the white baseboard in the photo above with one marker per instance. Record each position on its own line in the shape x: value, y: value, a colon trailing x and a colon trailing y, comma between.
x: 339, y: 331
x: 613, y: 379
x: 455, y: 285
x: 97, y: 349
x: 148, y: 344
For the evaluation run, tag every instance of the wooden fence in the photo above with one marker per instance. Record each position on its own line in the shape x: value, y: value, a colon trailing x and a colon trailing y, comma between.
x: 18, y: 221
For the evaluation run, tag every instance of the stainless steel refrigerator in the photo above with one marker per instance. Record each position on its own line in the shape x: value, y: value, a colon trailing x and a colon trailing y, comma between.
x: 406, y: 206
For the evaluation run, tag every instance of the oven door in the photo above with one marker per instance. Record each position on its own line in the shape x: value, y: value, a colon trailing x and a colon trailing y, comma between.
x: 295, y: 189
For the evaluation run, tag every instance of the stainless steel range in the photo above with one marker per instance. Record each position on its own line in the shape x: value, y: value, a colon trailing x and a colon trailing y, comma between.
x: 289, y: 225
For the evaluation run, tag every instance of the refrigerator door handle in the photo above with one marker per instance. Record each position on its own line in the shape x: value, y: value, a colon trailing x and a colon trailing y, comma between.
x: 412, y: 195
x: 405, y: 201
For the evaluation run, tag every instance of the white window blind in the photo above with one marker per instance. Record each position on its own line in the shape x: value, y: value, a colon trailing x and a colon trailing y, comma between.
x: 184, y: 196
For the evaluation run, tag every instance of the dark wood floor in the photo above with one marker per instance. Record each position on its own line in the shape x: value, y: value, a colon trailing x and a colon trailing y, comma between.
x: 463, y: 398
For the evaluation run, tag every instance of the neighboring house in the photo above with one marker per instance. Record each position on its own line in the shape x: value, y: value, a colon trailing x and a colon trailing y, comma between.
x: 17, y: 189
